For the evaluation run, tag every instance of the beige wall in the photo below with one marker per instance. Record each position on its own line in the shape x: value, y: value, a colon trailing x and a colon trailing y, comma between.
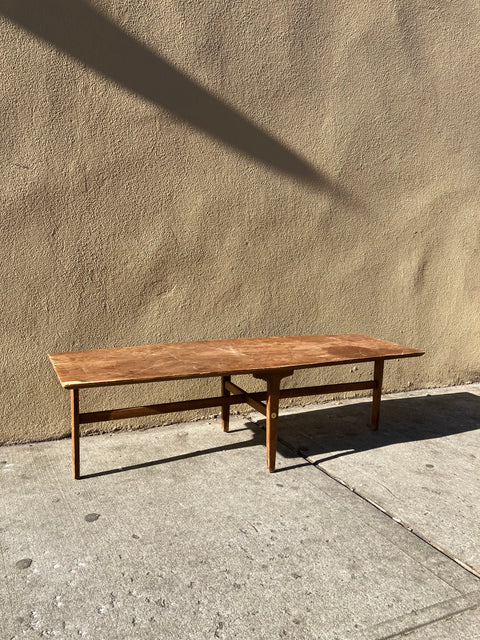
x: 186, y: 170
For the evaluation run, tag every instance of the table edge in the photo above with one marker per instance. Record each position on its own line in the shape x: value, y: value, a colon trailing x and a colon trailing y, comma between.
x: 239, y: 372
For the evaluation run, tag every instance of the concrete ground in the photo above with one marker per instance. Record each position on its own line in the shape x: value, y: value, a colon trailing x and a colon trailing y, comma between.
x: 179, y: 532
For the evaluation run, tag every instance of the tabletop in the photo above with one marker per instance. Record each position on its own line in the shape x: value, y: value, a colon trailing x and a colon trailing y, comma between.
x: 150, y: 363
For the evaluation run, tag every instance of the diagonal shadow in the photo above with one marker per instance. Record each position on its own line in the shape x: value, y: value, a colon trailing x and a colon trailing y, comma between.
x: 257, y: 439
x: 75, y: 28
x: 335, y: 432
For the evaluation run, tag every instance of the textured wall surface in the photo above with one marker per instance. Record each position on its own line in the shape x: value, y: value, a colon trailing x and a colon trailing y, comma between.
x: 182, y: 170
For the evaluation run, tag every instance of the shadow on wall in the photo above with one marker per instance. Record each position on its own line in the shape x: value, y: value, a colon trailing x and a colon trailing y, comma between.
x: 77, y: 29
x: 335, y: 432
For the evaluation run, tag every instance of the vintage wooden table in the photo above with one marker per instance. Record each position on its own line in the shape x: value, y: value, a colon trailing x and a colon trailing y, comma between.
x: 270, y: 359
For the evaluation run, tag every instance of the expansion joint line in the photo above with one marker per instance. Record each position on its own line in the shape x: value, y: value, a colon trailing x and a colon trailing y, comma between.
x: 411, y: 530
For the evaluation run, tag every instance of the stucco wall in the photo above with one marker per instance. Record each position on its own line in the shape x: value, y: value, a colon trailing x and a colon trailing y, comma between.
x: 183, y: 170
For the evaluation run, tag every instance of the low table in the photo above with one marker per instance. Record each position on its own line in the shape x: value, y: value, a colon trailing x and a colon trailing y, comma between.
x: 270, y: 359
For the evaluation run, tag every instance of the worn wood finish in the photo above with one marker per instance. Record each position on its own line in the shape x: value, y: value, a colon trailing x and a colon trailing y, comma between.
x: 128, y: 365
x: 270, y: 359
x: 75, y: 421
x: 377, y: 393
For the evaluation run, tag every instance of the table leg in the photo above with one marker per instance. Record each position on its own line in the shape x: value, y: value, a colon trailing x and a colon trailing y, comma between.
x: 377, y: 393
x: 273, y: 397
x: 74, y: 405
x: 273, y: 390
x: 226, y: 408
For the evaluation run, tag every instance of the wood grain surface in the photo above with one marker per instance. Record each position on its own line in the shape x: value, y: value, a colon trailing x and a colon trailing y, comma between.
x: 127, y: 365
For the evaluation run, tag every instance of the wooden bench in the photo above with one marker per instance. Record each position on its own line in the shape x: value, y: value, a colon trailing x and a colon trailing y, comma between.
x: 270, y: 359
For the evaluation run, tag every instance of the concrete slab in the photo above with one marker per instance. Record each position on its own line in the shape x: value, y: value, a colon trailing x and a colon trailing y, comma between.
x: 422, y: 467
x: 193, y: 539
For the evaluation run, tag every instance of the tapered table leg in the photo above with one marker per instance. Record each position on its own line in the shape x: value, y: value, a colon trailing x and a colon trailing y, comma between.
x: 225, y: 409
x: 273, y: 397
x: 74, y: 405
x: 273, y: 390
x: 377, y: 393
